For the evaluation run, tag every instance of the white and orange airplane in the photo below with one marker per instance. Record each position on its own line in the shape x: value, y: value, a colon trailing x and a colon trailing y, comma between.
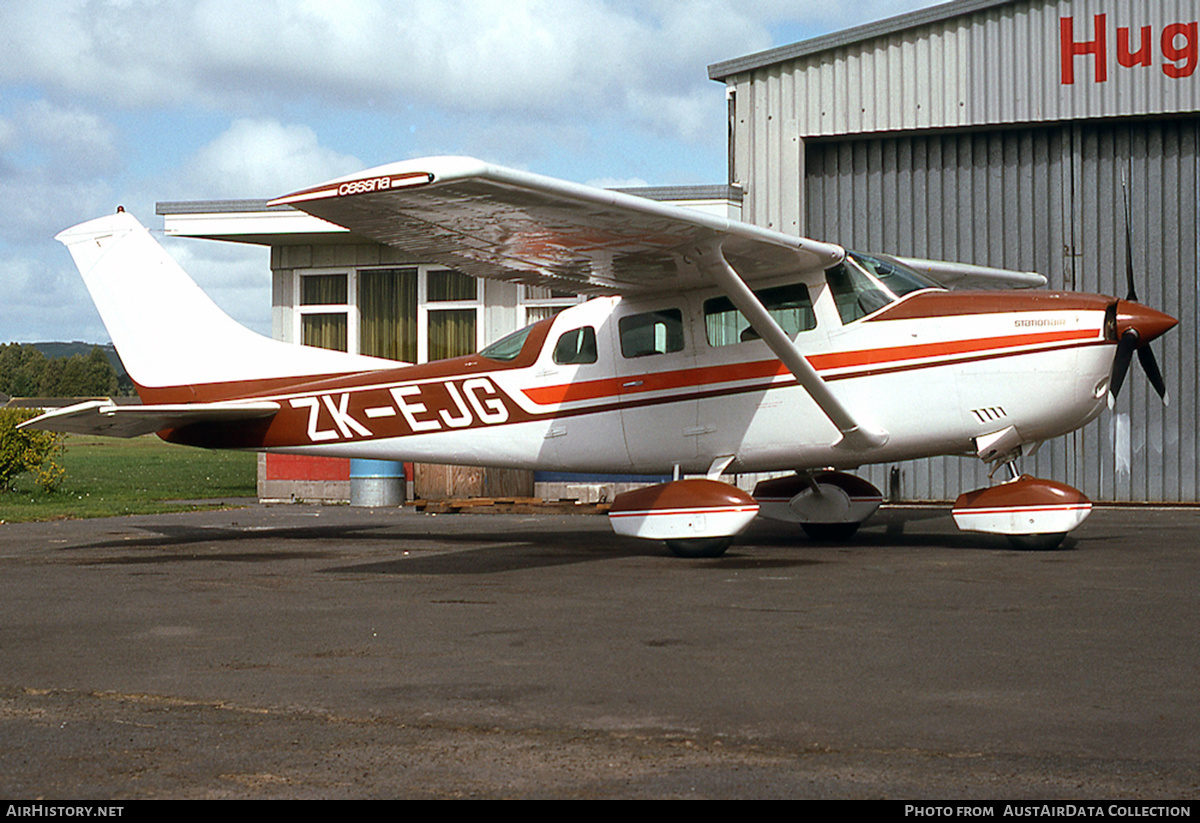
x: 711, y: 346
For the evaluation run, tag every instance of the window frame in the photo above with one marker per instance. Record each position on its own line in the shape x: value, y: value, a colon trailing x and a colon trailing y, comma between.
x: 353, y: 318
x: 349, y: 309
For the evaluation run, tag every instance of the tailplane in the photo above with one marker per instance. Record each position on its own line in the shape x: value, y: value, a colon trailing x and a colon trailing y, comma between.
x: 176, y: 343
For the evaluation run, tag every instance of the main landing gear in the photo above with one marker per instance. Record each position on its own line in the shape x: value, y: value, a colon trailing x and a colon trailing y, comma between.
x: 695, y: 517
x: 699, y: 518
x: 829, y: 506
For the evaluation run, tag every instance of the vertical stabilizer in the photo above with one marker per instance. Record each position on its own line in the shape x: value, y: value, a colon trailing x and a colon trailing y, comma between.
x: 168, y: 332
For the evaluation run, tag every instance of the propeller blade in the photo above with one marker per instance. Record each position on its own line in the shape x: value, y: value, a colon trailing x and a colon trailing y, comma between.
x: 1132, y: 294
x: 1124, y: 355
x: 1150, y: 367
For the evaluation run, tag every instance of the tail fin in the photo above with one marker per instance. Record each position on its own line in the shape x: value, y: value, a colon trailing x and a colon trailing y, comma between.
x: 176, y: 343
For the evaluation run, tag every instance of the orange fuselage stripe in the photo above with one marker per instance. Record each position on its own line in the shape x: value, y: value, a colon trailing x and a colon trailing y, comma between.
x: 707, y: 375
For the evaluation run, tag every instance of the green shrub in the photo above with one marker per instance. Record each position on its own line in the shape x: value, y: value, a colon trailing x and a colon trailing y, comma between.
x: 28, y: 450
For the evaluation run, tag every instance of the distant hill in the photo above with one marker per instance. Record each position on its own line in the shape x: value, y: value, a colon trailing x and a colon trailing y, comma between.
x: 58, y: 349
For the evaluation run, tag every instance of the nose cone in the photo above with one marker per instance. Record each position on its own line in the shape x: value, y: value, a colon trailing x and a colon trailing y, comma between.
x: 1147, y: 322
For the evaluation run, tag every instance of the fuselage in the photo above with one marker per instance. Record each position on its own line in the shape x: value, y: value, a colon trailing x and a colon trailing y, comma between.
x: 647, y: 385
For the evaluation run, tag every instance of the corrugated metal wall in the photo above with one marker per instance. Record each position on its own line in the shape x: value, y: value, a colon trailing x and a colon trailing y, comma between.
x: 1047, y: 199
x: 1001, y: 65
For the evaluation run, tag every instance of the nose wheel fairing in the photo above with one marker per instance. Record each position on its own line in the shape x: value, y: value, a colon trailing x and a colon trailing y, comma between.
x: 1024, y: 508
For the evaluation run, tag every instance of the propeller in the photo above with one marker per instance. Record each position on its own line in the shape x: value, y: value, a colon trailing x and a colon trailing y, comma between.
x: 1128, y: 319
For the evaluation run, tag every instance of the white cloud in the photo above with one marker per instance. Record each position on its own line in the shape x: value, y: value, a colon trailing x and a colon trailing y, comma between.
x: 553, y: 59
x: 577, y: 88
x: 71, y: 139
x: 37, y: 209
x: 618, y: 182
x: 45, y: 301
x: 261, y: 158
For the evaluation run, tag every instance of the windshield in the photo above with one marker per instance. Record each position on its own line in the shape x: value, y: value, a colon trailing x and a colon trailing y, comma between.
x: 507, y: 348
x: 896, y: 278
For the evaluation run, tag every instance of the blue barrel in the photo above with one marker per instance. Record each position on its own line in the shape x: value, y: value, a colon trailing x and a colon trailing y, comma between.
x: 376, y: 483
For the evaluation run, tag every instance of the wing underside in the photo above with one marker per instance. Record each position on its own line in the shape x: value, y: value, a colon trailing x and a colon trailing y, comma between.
x: 490, y: 221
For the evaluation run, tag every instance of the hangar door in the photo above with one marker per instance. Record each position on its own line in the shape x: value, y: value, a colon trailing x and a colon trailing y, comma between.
x: 1049, y: 200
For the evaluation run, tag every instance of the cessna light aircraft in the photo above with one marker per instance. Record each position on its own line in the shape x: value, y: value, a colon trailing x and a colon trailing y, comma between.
x: 711, y: 346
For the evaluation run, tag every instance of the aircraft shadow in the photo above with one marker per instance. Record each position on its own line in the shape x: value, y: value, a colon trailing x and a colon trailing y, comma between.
x: 492, y: 551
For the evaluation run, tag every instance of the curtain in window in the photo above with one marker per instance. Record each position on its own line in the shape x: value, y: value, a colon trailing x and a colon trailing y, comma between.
x: 323, y: 290
x: 387, y: 310
x: 444, y: 286
x: 325, y: 331
x: 451, y: 333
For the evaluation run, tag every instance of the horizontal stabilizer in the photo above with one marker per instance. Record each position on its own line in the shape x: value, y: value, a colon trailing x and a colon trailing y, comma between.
x: 107, y: 418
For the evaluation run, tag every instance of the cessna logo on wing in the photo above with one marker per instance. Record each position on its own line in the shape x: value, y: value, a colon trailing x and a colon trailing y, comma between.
x: 362, y: 186
x: 428, y: 407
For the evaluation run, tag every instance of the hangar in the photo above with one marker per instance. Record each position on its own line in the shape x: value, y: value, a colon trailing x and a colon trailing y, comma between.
x: 996, y: 132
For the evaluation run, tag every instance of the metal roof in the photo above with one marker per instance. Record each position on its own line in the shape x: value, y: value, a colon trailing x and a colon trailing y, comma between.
x: 879, y: 28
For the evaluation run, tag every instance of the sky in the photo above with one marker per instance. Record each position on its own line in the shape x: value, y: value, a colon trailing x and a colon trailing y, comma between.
x: 132, y: 102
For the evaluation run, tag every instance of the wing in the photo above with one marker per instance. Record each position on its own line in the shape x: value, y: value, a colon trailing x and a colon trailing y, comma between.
x: 105, y: 417
x: 491, y: 221
x: 967, y: 276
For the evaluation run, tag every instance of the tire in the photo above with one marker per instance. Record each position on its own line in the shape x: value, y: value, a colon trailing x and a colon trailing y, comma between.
x: 1036, y: 542
x: 699, y: 546
x: 830, y: 532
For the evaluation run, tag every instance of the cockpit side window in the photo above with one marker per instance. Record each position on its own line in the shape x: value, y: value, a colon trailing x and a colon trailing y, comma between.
x: 575, y: 347
x: 655, y: 332
x: 855, y: 294
x: 790, y: 305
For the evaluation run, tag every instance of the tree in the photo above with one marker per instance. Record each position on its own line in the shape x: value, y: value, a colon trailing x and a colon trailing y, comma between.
x: 28, y: 450
x: 26, y: 372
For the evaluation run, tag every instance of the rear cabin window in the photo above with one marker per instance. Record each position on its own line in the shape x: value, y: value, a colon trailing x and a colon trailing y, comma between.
x: 790, y: 305
x: 655, y: 332
x: 575, y: 347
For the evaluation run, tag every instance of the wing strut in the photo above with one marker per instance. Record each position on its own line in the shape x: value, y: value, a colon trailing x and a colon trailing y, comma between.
x: 856, y: 435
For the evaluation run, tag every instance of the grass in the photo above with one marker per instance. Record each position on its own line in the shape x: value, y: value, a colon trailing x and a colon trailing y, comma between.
x: 143, y: 475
